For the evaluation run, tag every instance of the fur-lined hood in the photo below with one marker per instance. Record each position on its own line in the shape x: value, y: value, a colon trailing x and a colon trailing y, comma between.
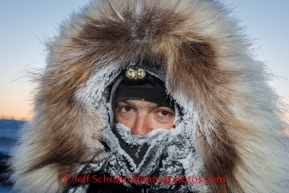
x: 232, y: 114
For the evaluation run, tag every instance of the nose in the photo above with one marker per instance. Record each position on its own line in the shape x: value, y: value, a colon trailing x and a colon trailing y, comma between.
x: 141, y: 125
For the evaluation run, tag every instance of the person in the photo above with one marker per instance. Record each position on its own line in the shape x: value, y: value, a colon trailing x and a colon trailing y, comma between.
x: 152, y: 96
x: 143, y: 105
x: 140, y: 139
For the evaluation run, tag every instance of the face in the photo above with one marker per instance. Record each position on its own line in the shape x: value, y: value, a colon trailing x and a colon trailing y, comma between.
x: 143, y: 116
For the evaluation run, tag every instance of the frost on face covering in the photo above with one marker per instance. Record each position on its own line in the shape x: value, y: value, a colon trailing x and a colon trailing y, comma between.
x: 159, y: 155
x: 162, y: 156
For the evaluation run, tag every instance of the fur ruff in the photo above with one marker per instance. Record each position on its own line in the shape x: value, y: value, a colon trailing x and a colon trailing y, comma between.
x: 234, y: 116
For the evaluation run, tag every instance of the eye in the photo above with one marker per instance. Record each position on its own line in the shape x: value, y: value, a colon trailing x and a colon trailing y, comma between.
x: 164, y: 114
x: 125, y: 109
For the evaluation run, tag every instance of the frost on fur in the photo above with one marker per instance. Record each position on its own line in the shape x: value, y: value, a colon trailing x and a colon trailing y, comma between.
x: 232, y: 122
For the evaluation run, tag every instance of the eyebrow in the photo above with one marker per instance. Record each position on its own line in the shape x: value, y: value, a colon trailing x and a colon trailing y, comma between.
x: 134, y: 105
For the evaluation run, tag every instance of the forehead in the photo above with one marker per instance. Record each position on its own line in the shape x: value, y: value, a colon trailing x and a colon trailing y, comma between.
x: 140, y: 103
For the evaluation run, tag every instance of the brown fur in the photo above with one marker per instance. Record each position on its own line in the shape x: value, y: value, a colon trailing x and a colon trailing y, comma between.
x: 106, y: 39
x: 172, y: 35
x: 63, y: 114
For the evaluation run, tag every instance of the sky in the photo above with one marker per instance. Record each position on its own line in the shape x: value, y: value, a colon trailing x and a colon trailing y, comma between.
x: 26, y: 25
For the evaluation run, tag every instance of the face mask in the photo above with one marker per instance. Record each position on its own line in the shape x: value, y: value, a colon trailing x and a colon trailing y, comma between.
x: 157, y: 159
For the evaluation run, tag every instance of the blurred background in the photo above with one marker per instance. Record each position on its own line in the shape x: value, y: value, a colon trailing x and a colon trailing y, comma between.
x: 26, y: 25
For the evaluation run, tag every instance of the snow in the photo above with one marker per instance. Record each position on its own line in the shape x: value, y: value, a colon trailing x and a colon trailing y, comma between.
x: 8, y: 134
x: 7, y: 189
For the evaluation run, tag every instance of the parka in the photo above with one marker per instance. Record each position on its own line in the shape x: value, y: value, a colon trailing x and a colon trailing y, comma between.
x: 231, y: 124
